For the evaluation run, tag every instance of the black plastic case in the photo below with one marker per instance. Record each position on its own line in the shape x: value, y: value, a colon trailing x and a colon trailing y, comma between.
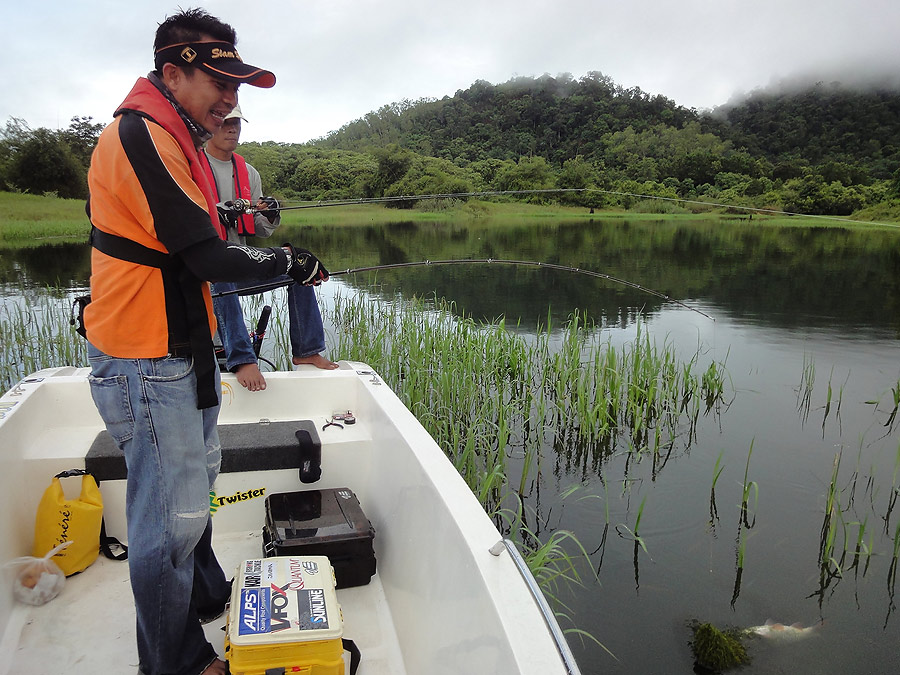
x: 322, y: 522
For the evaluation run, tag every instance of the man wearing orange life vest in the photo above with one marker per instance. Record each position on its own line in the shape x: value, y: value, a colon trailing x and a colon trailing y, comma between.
x: 154, y: 380
x: 233, y: 178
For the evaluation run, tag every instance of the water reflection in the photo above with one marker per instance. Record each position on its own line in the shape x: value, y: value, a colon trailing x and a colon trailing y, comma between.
x: 50, y: 266
x: 753, y: 273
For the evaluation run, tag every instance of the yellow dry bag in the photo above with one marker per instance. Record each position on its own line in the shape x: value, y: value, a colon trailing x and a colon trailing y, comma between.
x: 74, y: 520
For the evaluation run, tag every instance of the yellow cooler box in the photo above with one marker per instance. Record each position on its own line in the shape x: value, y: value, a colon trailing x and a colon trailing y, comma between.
x: 284, y: 618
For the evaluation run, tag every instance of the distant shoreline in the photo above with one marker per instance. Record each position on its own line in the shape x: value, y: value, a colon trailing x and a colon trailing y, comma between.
x: 33, y: 220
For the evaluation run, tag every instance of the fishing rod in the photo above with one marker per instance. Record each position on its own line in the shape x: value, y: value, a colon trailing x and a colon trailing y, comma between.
x: 401, y: 198
x: 269, y: 286
x: 241, y: 206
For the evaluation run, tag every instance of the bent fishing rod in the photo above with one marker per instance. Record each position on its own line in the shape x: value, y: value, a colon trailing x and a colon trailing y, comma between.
x: 261, y: 288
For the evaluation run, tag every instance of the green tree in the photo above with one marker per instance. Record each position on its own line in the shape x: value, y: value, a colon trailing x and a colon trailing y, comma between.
x: 531, y: 173
x: 894, y: 185
x: 11, y: 140
x: 577, y: 174
x: 392, y: 164
x: 429, y: 176
x: 333, y: 174
x: 81, y: 137
x: 488, y: 170
x: 45, y: 163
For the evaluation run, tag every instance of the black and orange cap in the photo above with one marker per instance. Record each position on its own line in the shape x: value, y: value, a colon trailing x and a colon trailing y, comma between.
x: 219, y: 59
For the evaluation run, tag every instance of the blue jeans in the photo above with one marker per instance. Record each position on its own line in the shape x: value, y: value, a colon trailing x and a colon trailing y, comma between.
x: 173, y: 456
x: 305, y: 322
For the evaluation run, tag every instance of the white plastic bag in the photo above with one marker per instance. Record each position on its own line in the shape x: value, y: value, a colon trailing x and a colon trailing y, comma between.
x: 38, y: 580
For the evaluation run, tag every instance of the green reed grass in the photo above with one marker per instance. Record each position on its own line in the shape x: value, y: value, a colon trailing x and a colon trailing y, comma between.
x: 807, y: 384
x: 894, y: 493
x: 36, y: 334
x: 895, y: 394
x: 834, y: 522
x: 499, y: 403
x: 895, y: 400
x: 748, y: 487
x: 489, y: 395
x: 633, y: 534
x: 718, y: 468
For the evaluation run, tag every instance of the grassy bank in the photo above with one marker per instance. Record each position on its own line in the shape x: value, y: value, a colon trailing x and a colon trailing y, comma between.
x: 33, y: 220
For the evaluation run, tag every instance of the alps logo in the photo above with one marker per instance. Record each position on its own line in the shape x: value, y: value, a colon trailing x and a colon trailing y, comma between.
x: 253, y: 616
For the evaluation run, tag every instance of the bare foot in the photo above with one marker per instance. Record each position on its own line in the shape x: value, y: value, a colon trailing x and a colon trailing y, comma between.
x: 316, y: 360
x: 250, y: 377
x: 217, y: 667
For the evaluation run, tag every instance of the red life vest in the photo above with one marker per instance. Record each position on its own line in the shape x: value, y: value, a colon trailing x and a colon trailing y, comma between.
x: 147, y: 99
x: 245, y: 224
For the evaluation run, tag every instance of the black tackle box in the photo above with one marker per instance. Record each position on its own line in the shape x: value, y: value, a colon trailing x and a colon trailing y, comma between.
x: 322, y: 522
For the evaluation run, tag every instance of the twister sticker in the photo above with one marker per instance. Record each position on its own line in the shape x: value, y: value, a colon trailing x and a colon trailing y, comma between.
x: 216, y: 502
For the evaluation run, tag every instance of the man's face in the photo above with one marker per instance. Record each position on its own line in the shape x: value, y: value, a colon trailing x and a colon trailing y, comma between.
x: 225, y: 140
x: 203, y: 97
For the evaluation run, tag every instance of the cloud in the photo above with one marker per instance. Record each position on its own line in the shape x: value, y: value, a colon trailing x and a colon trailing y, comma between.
x: 336, y: 60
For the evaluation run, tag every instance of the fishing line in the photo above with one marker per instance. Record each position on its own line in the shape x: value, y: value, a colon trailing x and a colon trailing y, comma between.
x: 244, y: 206
x: 261, y: 288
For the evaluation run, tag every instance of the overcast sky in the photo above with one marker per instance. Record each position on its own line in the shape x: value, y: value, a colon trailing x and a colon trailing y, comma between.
x: 336, y: 60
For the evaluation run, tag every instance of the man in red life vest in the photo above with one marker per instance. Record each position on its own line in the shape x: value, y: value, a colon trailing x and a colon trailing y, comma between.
x: 154, y: 380
x: 233, y: 178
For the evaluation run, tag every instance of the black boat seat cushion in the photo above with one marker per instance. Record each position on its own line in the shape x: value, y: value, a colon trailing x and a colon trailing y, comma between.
x: 258, y: 446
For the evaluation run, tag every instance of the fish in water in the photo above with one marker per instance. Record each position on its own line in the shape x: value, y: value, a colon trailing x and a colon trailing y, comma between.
x: 779, y: 631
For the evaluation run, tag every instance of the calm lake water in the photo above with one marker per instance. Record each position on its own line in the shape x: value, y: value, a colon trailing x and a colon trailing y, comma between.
x: 796, y: 310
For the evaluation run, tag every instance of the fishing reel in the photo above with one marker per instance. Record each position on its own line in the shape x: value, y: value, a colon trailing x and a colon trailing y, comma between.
x: 240, y: 206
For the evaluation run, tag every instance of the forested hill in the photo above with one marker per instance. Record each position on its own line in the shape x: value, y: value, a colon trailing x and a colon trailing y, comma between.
x: 561, y: 118
x: 555, y: 118
x: 823, y: 123
x: 827, y: 149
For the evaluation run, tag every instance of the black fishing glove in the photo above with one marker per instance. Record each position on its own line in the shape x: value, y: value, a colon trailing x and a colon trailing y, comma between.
x: 268, y: 206
x: 305, y: 268
x: 227, y: 215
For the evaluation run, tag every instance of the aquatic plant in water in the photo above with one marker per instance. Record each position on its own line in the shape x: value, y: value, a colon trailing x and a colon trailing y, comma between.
x: 716, y: 650
x: 35, y: 333
x: 500, y: 403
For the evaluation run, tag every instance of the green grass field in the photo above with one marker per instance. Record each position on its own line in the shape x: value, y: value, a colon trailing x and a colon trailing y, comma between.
x: 33, y: 220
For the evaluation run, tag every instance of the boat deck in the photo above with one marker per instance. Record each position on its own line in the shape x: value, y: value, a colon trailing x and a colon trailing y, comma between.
x: 98, y: 603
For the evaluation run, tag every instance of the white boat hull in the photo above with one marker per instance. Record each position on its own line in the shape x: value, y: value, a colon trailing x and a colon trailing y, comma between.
x: 440, y: 602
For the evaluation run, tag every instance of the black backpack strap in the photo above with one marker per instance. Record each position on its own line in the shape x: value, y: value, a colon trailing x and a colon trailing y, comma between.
x: 107, y: 542
x: 76, y: 317
x: 350, y: 646
x: 126, y: 249
x: 190, y: 287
